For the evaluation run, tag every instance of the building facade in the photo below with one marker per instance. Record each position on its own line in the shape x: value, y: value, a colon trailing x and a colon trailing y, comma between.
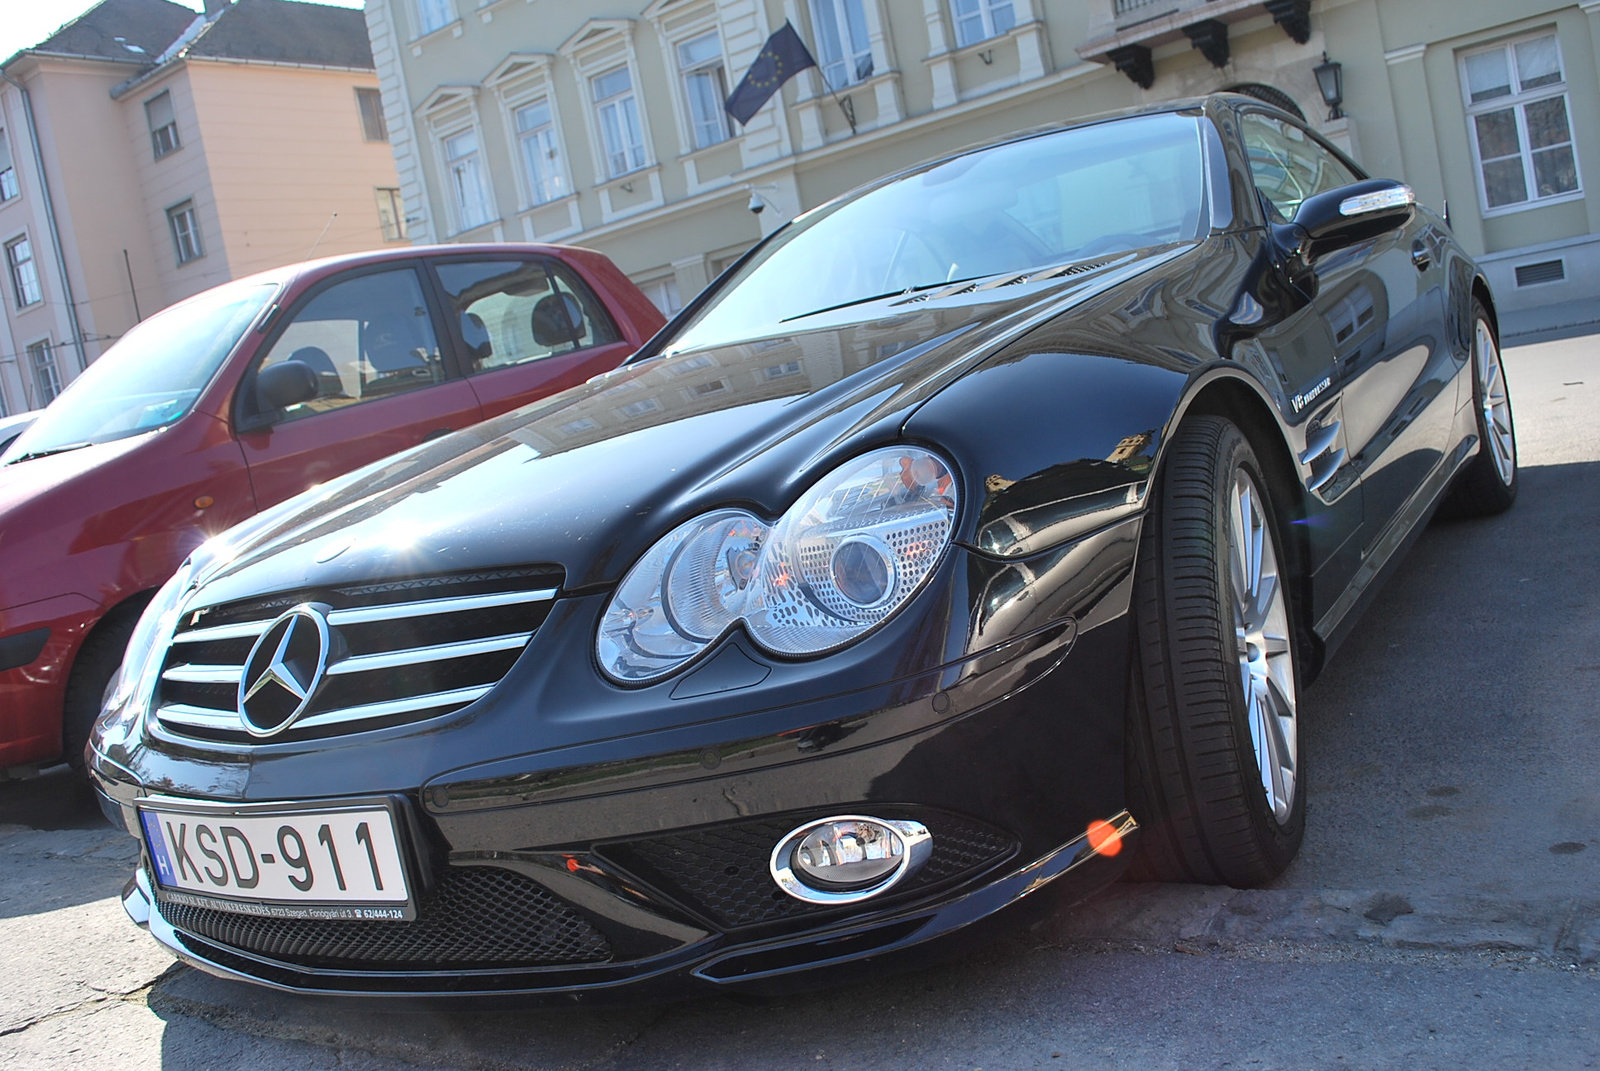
x: 571, y: 120
x: 148, y: 152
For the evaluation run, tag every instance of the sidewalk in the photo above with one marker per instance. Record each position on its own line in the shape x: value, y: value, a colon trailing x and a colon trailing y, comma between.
x: 1567, y: 319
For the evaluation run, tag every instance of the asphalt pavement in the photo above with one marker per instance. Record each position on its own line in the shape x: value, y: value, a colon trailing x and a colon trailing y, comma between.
x: 1444, y: 912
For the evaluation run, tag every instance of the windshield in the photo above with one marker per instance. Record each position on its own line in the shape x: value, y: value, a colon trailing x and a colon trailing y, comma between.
x: 1026, y: 204
x: 151, y: 376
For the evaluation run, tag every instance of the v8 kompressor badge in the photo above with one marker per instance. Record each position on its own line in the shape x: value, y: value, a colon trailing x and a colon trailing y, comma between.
x: 1300, y: 401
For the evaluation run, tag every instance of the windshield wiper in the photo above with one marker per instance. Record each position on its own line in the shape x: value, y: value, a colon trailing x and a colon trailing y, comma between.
x: 879, y: 297
x: 46, y: 453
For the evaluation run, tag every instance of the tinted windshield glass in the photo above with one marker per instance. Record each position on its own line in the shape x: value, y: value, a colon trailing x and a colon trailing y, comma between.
x: 1026, y: 204
x: 151, y: 376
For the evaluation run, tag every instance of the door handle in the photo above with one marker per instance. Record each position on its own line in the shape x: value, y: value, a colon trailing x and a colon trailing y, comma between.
x: 1420, y: 255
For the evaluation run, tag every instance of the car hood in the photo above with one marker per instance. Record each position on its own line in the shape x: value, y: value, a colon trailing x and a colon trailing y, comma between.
x: 25, y: 481
x: 587, y: 480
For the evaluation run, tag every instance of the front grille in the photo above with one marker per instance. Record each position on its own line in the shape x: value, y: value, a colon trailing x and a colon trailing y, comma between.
x: 403, y: 650
x: 479, y: 917
x: 721, y: 871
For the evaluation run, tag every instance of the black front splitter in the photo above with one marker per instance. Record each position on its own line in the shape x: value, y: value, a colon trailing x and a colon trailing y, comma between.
x: 823, y: 957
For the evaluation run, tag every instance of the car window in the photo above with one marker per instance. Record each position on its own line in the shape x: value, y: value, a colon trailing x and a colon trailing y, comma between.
x: 365, y: 338
x: 514, y: 311
x: 1022, y: 205
x: 153, y: 375
x: 1287, y: 165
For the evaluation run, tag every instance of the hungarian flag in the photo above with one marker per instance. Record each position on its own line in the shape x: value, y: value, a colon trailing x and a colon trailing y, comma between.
x: 781, y: 58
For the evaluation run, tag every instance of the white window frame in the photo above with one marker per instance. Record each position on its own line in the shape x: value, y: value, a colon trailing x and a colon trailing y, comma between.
x: 434, y: 15
x: 44, y: 370
x: 615, y: 113
x: 164, y: 139
x: 523, y: 81
x: 26, y: 290
x: 984, y: 11
x: 843, y: 69
x: 539, y: 152
x: 183, y: 223
x: 704, y: 132
x: 456, y: 170
x: 391, y: 213
x: 374, y: 127
x: 8, y: 170
x: 1517, y: 101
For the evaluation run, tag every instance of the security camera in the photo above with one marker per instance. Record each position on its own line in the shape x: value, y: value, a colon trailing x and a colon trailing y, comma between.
x: 756, y: 205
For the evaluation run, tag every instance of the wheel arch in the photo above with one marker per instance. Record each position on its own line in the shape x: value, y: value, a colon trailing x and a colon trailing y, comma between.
x: 131, y: 606
x: 1480, y: 291
x: 1240, y: 400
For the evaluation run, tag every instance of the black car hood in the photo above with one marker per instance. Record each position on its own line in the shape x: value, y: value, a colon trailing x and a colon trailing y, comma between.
x: 588, y: 479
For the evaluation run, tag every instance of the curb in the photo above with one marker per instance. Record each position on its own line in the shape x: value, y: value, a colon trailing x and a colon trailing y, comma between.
x: 1566, y: 930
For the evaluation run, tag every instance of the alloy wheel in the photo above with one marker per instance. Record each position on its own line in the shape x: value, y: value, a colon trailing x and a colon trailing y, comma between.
x: 1266, y: 661
x: 1496, y: 403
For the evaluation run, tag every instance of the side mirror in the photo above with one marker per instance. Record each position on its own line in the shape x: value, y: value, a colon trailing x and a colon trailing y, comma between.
x: 286, y: 383
x: 1354, y: 213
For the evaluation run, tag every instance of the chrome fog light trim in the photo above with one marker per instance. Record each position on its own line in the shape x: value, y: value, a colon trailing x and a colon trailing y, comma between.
x: 871, y: 855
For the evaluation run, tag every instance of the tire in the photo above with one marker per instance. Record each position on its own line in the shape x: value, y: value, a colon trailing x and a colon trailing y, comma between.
x: 1488, y: 484
x: 1214, y: 694
x: 96, y: 664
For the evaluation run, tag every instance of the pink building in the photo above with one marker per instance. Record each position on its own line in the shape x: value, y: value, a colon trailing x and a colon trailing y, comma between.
x: 148, y: 152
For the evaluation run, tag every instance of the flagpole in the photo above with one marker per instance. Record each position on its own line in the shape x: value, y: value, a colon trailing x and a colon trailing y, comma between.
x: 822, y: 72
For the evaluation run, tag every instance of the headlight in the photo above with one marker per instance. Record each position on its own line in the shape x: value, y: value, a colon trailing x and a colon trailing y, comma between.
x: 147, y: 647
x: 845, y: 557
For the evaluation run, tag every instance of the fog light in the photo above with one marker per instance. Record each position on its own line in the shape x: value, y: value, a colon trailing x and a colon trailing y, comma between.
x: 848, y: 858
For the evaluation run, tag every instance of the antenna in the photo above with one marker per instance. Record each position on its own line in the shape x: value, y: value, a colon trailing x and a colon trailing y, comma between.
x: 321, y: 236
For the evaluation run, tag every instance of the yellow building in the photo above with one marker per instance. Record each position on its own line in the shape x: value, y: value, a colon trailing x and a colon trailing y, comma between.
x: 148, y: 152
x: 594, y: 122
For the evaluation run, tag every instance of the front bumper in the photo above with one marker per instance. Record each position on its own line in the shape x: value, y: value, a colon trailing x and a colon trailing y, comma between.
x: 658, y: 840
x: 1073, y: 871
x: 38, y: 642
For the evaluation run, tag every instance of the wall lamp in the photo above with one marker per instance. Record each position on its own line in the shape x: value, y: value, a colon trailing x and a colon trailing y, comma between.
x: 1330, y: 83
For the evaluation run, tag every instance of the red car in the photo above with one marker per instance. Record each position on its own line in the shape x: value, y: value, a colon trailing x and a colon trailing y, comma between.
x: 245, y: 395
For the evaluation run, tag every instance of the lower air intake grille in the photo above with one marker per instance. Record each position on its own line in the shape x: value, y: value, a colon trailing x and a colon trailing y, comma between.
x: 400, y: 651
x: 721, y: 871
x: 480, y: 917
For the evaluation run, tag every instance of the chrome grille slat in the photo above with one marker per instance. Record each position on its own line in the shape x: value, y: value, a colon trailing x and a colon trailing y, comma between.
x: 243, y: 630
x: 202, y: 674
x: 435, y: 653
x: 397, y: 610
x: 394, y: 706
x: 200, y: 717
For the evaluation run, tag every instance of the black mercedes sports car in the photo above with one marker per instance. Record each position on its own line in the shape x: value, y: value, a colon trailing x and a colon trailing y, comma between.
x: 976, y: 531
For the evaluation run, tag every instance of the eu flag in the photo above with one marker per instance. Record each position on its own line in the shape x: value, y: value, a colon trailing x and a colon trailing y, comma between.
x: 781, y: 58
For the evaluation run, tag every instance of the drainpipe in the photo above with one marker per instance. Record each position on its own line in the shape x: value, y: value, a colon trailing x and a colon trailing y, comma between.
x: 50, y: 218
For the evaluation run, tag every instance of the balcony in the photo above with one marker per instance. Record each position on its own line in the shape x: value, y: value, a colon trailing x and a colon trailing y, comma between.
x: 1126, y: 31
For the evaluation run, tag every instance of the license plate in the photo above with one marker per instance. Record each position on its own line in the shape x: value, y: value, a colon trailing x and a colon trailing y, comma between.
x: 339, y: 862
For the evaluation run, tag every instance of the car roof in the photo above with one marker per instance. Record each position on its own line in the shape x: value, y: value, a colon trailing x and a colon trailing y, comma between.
x: 322, y: 266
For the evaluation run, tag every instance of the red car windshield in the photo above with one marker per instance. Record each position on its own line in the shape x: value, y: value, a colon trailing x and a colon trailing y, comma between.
x: 152, y: 375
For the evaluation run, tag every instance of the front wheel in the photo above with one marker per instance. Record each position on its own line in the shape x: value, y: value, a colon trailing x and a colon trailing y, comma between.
x: 1214, y: 765
x: 1488, y: 484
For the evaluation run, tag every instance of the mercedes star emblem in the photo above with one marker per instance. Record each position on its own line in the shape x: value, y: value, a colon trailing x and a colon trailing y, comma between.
x: 284, y: 670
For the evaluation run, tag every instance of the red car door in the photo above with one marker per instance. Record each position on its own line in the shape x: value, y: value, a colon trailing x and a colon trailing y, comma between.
x: 383, y: 383
x: 530, y: 327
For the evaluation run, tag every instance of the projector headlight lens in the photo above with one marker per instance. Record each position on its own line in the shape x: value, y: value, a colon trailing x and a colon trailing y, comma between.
x: 840, y: 561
